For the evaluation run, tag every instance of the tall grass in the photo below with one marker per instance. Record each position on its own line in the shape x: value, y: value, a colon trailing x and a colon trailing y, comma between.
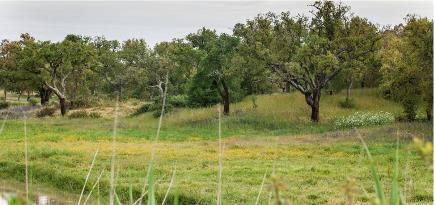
x: 220, y: 152
x: 26, y: 161
x: 87, y: 175
x: 113, y: 156
x: 395, y: 195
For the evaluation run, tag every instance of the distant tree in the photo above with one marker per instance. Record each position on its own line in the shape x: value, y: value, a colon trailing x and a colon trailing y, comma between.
x: 109, y: 67
x: 305, y: 53
x: 361, y: 40
x: 183, y: 61
x: 217, y: 66
x: 407, y: 60
x: 66, y: 62
x: 132, y: 79
x: 9, y: 55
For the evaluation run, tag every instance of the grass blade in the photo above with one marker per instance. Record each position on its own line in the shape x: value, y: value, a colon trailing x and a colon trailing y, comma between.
x: 93, y: 187
x: 219, y: 188
x: 88, y: 174
x: 394, y: 198
x: 26, y: 161
x: 113, y: 157
x: 151, y: 192
x: 261, y: 188
x: 118, y: 201
x: 130, y: 194
x: 170, y: 185
x: 378, y: 186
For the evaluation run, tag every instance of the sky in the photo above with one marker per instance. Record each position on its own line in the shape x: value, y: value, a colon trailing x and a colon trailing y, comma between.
x: 164, y: 20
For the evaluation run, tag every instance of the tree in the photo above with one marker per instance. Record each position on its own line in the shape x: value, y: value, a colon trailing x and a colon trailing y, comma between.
x: 183, y: 61
x: 361, y: 40
x: 407, y: 60
x: 132, y: 79
x: 9, y: 55
x: 305, y: 53
x: 65, y: 64
x: 217, y: 65
x: 109, y: 67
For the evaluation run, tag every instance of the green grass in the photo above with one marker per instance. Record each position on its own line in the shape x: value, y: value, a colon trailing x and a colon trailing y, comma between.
x: 312, y: 160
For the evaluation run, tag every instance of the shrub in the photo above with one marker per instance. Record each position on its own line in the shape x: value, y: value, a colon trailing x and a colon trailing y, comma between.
x: 79, y: 114
x: 46, y: 111
x: 360, y: 119
x: 4, y: 105
x: 347, y: 103
x: 94, y: 115
x: 33, y: 101
x: 178, y: 100
x: 168, y: 108
x: 142, y: 109
x: 80, y: 103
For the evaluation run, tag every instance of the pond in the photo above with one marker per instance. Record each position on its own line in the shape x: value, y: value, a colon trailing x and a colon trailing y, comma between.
x: 40, y: 195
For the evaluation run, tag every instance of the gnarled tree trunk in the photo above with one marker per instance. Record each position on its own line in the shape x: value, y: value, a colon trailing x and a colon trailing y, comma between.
x: 62, y: 102
x: 225, y: 95
x: 44, y: 94
x: 313, y: 100
x: 61, y: 96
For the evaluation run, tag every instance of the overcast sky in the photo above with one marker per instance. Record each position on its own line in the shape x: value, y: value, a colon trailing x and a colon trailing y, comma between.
x: 164, y: 20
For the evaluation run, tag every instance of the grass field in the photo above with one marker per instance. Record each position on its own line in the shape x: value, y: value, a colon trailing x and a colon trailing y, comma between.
x: 313, y: 162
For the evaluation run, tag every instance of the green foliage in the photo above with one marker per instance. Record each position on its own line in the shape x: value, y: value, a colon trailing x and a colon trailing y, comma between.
x: 361, y: 119
x: 202, y: 92
x: 178, y: 100
x: 347, y: 103
x: 307, y: 53
x: 407, y: 60
x: 157, y: 112
x: 46, y: 112
x: 142, y: 109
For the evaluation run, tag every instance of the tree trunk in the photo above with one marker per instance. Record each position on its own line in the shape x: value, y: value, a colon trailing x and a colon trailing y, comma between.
x: 349, y: 88
x: 44, y: 94
x: 313, y: 100
x: 28, y: 96
x: 226, y: 98
x: 225, y: 95
x: 19, y: 95
x: 226, y: 101
x: 62, y: 103
x: 6, y: 94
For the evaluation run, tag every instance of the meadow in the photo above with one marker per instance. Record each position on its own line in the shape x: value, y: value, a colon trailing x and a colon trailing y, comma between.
x: 308, y: 163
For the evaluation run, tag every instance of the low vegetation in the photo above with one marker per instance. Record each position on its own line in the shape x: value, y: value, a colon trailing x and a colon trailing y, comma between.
x: 252, y: 117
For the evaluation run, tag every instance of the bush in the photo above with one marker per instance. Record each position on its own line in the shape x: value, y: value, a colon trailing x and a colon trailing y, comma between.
x: 168, y: 108
x: 347, y: 103
x: 46, y: 111
x: 94, y: 115
x: 360, y: 119
x: 142, y: 109
x: 178, y: 100
x: 79, y: 114
x: 80, y: 103
x: 33, y: 101
x: 4, y: 105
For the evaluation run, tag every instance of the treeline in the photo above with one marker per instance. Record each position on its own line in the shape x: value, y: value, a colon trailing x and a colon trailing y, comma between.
x: 327, y: 50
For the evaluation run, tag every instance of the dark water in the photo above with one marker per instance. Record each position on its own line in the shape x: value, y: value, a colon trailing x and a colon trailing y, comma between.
x: 40, y: 195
